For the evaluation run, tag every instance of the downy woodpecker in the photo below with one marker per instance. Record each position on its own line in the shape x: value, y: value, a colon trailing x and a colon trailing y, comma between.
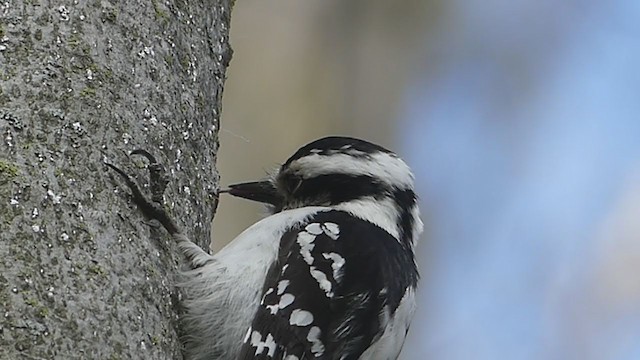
x: 331, y: 274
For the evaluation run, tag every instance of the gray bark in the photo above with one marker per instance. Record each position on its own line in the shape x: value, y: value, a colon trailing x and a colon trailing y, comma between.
x: 82, y: 276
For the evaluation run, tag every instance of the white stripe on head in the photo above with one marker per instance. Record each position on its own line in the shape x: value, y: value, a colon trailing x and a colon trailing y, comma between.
x: 386, y: 167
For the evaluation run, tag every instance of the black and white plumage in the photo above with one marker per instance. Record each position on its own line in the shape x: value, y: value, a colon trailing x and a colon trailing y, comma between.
x: 331, y: 274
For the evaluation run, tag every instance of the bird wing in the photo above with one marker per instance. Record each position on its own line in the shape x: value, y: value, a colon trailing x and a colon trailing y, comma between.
x: 337, y: 281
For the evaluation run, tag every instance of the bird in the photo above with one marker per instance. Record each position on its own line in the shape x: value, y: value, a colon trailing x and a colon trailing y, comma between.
x: 329, y: 274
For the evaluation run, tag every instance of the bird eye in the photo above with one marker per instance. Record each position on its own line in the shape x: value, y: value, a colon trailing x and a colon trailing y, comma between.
x: 292, y: 184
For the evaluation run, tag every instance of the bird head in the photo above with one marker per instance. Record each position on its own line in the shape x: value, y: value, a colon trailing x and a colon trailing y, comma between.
x: 340, y: 172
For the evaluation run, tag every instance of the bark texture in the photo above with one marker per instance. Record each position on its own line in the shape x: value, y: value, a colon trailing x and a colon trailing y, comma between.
x: 82, y: 276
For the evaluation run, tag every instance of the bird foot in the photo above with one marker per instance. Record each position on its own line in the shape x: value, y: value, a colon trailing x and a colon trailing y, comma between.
x: 152, y: 209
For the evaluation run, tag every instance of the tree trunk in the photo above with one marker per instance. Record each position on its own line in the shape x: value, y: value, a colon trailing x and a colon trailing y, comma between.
x: 82, y: 276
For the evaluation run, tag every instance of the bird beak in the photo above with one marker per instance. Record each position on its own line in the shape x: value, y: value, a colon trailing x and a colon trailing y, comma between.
x: 261, y: 191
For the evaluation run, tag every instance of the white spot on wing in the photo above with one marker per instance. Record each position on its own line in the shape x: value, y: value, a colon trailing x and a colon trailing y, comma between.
x: 286, y: 300
x: 322, y: 280
x: 273, y: 309
x: 317, y: 348
x: 306, y: 255
x: 300, y: 318
x: 282, y: 286
x: 256, y: 338
x: 305, y: 240
x: 269, y: 291
x: 337, y: 262
x: 314, y: 229
x: 268, y: 344
x: 291, y: 357
x: 331, y: 229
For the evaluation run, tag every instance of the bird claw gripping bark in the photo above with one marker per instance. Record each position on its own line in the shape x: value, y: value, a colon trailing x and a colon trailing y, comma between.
x: 157, y: 176
x: 153, y: 208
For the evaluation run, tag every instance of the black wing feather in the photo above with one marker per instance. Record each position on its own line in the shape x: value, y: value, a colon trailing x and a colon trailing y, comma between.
x: 341, y: 271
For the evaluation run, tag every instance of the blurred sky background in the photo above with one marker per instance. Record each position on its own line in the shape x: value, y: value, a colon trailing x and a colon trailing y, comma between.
x: 521, y: 120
